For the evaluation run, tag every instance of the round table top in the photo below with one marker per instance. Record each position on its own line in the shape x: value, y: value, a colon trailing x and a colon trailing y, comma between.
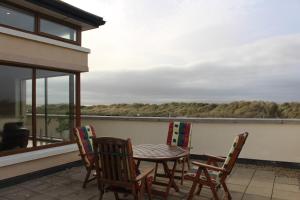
x: 154, y: 152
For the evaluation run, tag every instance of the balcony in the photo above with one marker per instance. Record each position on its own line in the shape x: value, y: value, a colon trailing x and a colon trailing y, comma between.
x: 272, y: 145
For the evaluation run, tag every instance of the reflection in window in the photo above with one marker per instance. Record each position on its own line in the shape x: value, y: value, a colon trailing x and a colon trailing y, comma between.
x: 55, y: 106
x: 15, y: 123
x: 58, y: 30
x: 13, y: 17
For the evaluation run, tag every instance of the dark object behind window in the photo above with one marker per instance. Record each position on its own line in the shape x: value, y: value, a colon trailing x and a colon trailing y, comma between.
x: 14, y: 136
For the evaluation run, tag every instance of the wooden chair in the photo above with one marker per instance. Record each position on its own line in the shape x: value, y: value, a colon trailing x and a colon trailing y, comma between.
x: 116, y: 170
x: 179, y: 134
x: 83, y: 137
x: 211, y: 175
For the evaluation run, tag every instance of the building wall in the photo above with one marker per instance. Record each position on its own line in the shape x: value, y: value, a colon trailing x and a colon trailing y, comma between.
x: 22, y: 50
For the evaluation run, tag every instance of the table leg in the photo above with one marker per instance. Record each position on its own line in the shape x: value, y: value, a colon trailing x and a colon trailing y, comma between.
x: 170, y: 174
x: 138, y: 163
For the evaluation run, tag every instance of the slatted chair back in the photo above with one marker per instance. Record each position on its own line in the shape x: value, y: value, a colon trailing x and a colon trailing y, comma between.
x: 179, y: 134
x: 114, y: 161
x: 83, y: 137
x: 234, y: 153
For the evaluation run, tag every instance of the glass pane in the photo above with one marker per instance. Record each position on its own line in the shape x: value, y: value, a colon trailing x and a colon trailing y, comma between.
x: 14, y: 17
x: 15, y: 107
x: 56, y: 29
x: 55, y: 106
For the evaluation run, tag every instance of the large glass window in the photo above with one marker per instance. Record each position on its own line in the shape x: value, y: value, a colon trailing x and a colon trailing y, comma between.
x: 15, y: 107
x: 58, y: 30
x: 55, y: 106
x: 18, y: 19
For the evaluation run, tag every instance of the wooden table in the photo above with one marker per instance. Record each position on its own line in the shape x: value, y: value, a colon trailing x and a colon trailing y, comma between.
x: 161, y: 153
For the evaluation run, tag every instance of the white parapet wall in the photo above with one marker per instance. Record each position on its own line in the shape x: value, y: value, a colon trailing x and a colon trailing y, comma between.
x: 269, y: 139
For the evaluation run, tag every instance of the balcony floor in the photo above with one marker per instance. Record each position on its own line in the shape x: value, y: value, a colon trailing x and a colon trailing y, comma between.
x: 247, y: 182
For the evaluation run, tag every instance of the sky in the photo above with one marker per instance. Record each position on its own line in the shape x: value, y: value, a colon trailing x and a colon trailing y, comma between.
x: 156, y: 51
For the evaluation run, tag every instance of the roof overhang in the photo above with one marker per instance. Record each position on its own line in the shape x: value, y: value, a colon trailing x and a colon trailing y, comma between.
x: 63, y: 11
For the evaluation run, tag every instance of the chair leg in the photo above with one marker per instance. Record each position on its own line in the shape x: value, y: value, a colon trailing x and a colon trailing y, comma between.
x: 136, y: 197
x: 138, y: 163
x: 148, y: 189
x: 188, y: 162
x: 195, y: 182
x: 89, y: 170
x: 116, y: 195
x: 226, y: 191
x: 101, y: 195
x: 214, y: 192
x: 199, y: 189
x: 192, y: 190
x: 182, y: 171
x: 211, y: 185
x: 142, y: 189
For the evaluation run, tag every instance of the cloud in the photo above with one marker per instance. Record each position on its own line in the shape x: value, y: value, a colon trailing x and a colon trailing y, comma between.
x: 264, y: 70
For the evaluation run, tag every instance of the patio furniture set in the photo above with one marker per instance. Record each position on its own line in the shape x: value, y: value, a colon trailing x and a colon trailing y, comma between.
x: 116, y: 164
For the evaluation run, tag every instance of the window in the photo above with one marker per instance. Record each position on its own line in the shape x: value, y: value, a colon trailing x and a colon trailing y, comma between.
x: 15, y: 18
x: 33, y: 22
x: 58, y: 30
x: 55, y: 106
x: 54, y: 118
x: 15, y: 123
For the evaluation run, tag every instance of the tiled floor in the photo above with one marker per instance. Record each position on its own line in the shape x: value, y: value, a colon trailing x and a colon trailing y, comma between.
x: 247, y: 182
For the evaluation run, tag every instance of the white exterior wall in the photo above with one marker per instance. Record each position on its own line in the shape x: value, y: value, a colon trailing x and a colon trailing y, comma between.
x: 30, y: 49
x: 266, y: 141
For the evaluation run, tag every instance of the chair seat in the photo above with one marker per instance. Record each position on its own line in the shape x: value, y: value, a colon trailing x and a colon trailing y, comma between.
x: 120, y: 189
x: 213, y: 175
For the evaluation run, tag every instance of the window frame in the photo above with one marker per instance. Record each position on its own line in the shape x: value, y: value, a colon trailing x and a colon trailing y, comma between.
x: 77, y: 117
x: 51, y: 19
x: 37, y: 17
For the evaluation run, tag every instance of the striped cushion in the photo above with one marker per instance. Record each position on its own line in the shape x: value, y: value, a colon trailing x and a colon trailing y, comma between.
x: 84, y: 137
x: 179, y: 134
x: 212, y: 174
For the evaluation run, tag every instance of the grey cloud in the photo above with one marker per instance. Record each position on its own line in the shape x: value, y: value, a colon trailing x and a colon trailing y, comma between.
x: 266, y: 70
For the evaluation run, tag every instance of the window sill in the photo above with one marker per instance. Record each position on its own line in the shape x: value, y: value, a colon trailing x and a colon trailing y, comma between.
x: 34, y: 155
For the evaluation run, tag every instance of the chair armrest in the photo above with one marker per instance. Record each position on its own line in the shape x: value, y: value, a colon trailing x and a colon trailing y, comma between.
x: 144, y: 173
x: 210, y: 167
x: 215, y: 158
